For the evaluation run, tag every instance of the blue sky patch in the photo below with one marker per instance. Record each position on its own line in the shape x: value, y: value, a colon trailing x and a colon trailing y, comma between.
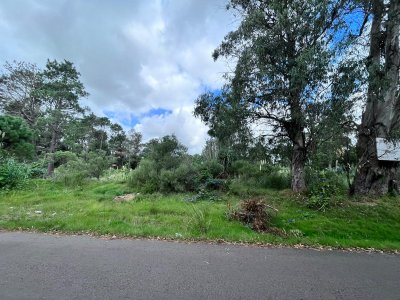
x: 129, y: 119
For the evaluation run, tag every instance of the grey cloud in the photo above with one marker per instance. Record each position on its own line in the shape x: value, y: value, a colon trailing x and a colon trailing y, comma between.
x: 133, y: 55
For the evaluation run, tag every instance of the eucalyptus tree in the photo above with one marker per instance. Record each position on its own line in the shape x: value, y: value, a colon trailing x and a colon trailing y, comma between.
x: 18, y: 85
x: 287, y: 74
x: 61, y: 91
x: 228, y: 127
x: 381, y: 116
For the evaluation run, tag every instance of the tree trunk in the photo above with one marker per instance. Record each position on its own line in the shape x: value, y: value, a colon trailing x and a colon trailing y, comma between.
x: 298, y: 163
x: 373, y: 177
x: 53, y: 146
x: 381, y: 115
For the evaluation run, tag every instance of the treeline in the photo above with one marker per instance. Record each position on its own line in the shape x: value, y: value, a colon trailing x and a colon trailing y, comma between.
x: 42, y: 116
x: 46, y: 133
x: 288, y: 109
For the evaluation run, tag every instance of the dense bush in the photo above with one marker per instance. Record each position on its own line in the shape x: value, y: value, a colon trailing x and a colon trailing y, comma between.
x: 79, y: 169
x: 185, y: 177
x: 249, y: 174
x: 13, y: 174
x: 97, y: 162
x: 324, y: 188
x: 209, y: 169
x: 145, y: 177
x: 73, y: 173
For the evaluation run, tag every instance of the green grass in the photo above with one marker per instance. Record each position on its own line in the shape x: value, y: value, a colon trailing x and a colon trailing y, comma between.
x: 91, y: 209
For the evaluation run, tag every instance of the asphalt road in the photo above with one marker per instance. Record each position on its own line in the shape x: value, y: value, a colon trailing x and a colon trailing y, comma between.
x: 36, y: 266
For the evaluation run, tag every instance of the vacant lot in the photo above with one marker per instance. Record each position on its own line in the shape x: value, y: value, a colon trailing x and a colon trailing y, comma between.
x: 45, y: 205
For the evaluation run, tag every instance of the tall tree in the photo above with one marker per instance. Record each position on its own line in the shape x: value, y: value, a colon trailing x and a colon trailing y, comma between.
x: 117, y: 144
x: 18, y: 86
x: 228, y: 126
x: 134, y: 147
x: 381, y: 117
x: 286, y: 73
x: 60, y: 91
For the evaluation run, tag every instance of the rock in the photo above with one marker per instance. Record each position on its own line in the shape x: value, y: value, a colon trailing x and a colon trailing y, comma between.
x: 125, y: 198
x: 38, y: 212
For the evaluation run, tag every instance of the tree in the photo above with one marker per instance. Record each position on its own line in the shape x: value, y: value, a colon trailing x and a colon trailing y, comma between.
x: 166, y: 152
x: 60, y: 91
x: 286, y: 73
x: 97, y: 163
x: 18, y: 86
x: 87, y: 133
x: 134, y: 147
x: 381, y: 117
x: 228, y: 126
x: 17, y: 139
x: 117, y: 144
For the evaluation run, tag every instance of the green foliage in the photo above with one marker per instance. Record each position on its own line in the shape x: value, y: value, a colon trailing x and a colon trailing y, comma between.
x: 210, y: 169
x: 17, y: 139
x: 200, y: 220
x: 188, y: 176
x: 92, y: 210
x: 249, y: 174
x: 97, y: 162
x: 166, y: 152
x: 72, y: 173
x: 325, y: 189
x: 145, y: 177
x: 62, y: 157
x: 13, y: 174
x: 205, y: 195
x: 77, y: 170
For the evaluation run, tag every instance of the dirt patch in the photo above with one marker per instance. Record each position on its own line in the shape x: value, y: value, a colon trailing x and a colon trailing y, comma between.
x: 125, y: 198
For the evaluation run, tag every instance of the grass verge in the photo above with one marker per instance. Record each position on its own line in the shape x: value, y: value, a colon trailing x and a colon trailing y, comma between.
x: 49, y: 206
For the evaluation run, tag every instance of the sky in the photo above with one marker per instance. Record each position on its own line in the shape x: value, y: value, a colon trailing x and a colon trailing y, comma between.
x: 144, y: 62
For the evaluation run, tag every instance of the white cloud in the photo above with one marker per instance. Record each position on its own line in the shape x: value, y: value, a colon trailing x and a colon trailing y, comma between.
x: 133, y: 55
x: 190, y: 131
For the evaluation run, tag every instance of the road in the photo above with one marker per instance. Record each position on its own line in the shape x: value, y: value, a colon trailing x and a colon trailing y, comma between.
x: 37, y: 266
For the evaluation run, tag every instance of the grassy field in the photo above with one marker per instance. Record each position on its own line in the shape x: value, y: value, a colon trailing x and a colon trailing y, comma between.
x: 49, y: 206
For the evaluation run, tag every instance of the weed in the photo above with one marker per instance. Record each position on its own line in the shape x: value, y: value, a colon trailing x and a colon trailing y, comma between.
x: 199, y: 220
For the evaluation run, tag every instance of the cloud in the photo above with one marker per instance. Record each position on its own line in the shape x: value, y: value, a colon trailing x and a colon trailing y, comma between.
x: 190, y: 131
x: 134, y: 56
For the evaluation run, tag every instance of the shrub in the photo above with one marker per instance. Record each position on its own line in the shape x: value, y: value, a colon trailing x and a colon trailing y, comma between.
x: 39, y: 169
x: 215, y: 184
x: 145, y: 177
x: 209, y: 169
x: 274, y: 180
x: 324, y: 187
x: 188, y: 175
x: 245, y: 168
x: 73, y: 173
x: 97, y: 163
x: 62, y: 157
x: 13, y: 174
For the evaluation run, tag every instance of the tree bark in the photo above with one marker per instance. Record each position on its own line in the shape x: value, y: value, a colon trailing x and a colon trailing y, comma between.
x: 381, y: 115
x: 53, y: 147
x: 298, y: 171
